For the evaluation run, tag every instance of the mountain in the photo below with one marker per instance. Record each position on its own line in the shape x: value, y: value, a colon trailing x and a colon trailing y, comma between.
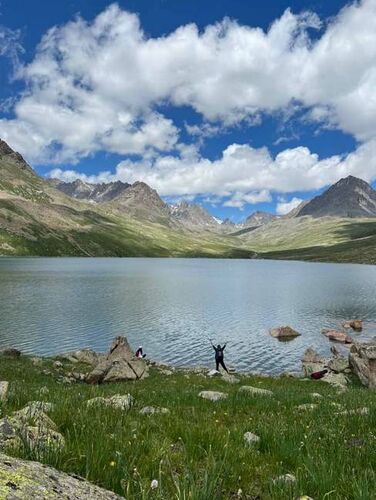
x: 349, y: 197
x: 97, y: 193
x: 259, y: 218
x: 194, y: 216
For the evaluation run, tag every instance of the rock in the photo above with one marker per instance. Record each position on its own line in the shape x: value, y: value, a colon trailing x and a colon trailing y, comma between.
x: 230, y: 379
x: 58, y: 364
x: 166, y: 372
x: 43, y: 391
x: 86, y: 356
x: 307, y: 406
x: 119, y: 365
x: 316, y: 395
x: 311, y: 356
x: 255, y: 391
x: 285, y: 478
x: 355, y: 324
x: 213, y: 395
x: 152, y: 410
x: 214, y: 373
x: 336, y: 380
x: 283, y: 332
x: 11, y: 353
x: 21, y: 479
x: 37, y: 361
x: 251, y: 438
x: 337, y: 336
x: 362, y: 360
x: 9, y: 437
x: 119, y: 401
x: 42, y: 440
x: 338, y: 364
x: 358, y: 411
x: 4, y: 386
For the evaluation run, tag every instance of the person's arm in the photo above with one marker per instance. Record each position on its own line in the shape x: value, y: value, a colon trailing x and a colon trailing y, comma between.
x: 224, y: 346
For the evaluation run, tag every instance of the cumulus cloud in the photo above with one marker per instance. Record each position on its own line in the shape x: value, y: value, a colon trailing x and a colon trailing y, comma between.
x: 243, y: 175
x: 95, y: 85
x: 284, y: 207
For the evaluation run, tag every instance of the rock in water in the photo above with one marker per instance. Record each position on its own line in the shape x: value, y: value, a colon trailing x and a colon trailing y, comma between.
x: 355, y: 324
x: 22, y: 479
x: 119, y: 365
x: 4, y: 385
x: 283, y: 332
x: 213, y: 395
x: 337, y: 336
x: 362, y: 359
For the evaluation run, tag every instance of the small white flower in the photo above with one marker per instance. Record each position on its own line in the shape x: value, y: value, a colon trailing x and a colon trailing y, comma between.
x: 240, y: 493
x: 154, y: 484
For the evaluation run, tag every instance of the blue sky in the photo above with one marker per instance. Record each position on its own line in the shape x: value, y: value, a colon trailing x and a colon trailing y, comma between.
x: 240, y: 106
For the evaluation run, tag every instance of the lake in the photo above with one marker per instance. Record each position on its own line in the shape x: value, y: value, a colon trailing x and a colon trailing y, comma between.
x: 173, y: 306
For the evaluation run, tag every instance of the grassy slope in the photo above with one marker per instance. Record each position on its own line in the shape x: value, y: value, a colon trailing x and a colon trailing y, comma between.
x: 197, y: 451
x: 326, y: 239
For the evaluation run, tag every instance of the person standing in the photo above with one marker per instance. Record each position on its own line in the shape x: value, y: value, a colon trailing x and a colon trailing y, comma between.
x: 219, y: 356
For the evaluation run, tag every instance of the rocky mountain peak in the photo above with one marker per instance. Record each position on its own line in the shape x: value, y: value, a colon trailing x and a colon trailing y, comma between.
x: 7, y: 151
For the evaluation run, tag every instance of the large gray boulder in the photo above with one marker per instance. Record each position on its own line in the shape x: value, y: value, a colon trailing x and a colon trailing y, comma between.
x: 283, y: 332
x: 362, y: 360
x: 86, y: 356
x: 120, y: 364
x: 22, y: 479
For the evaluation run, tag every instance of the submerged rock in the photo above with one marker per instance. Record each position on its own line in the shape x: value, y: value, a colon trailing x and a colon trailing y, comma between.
x: 283, y: 332
x: 255, y: 391
x: 22, y: 479
x: 337, y: 336
x: 213, y: 395
x: 119, y: 365
x: 355, y: 324
x: 362, y: 359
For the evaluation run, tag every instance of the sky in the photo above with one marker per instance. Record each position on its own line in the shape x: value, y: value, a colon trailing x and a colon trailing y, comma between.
x: 240, y: 106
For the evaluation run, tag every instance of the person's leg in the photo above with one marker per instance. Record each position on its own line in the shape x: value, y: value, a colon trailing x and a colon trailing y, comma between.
x: 223, y: 365
x: 217, y: 365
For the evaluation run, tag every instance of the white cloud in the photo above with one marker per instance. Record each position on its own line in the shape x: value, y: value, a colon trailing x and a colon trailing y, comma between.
x: 96, y: 85
x: 284, y: 207
x: 242, y: 175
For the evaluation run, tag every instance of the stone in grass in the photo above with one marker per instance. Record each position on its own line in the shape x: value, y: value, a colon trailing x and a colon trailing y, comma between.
x: 118, y: 401
x: 251, y: 439
x: 58, y: 364
x: 307, y: 406
x: 285, y: 478
x: 34, y: 481
x: 357, y: 411
x: 316, y: 395
x: 213, y: 395
x: 255, y: 391
x: 214, y: 373
x: 152, y: 410
x: 4, y: 386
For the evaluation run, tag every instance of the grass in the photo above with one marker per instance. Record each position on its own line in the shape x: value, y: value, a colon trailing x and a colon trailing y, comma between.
x: 197, y: 451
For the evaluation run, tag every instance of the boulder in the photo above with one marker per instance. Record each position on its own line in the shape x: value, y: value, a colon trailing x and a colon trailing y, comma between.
x: 21, y: 479
x: 152, y: 410
x: 337, y: 336
x: 119, y: 402
x: 255, y: 391
x: 355, y: 324
x: 338, y: 364
x: 312, y: 362
x: 362, y: 360
x: 213, y: 395
x: 214, y: 373
x: 4, y: 386
x: 86, y: 356
x: 336, y: 380
x: 283, y: 332
x: 250, y: 438
x: 11, y: 353
x: 120, y: 364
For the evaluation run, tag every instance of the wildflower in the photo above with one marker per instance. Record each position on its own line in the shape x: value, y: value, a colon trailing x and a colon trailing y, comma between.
x: 112, y: 463
x: 240, y: 493
x: 154, y: 484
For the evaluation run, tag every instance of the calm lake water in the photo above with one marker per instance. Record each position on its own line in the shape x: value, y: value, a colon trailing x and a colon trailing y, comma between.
x: 172, y: 306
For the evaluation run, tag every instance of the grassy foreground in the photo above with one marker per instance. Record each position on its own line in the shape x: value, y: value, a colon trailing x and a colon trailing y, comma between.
x: 198, y: 451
